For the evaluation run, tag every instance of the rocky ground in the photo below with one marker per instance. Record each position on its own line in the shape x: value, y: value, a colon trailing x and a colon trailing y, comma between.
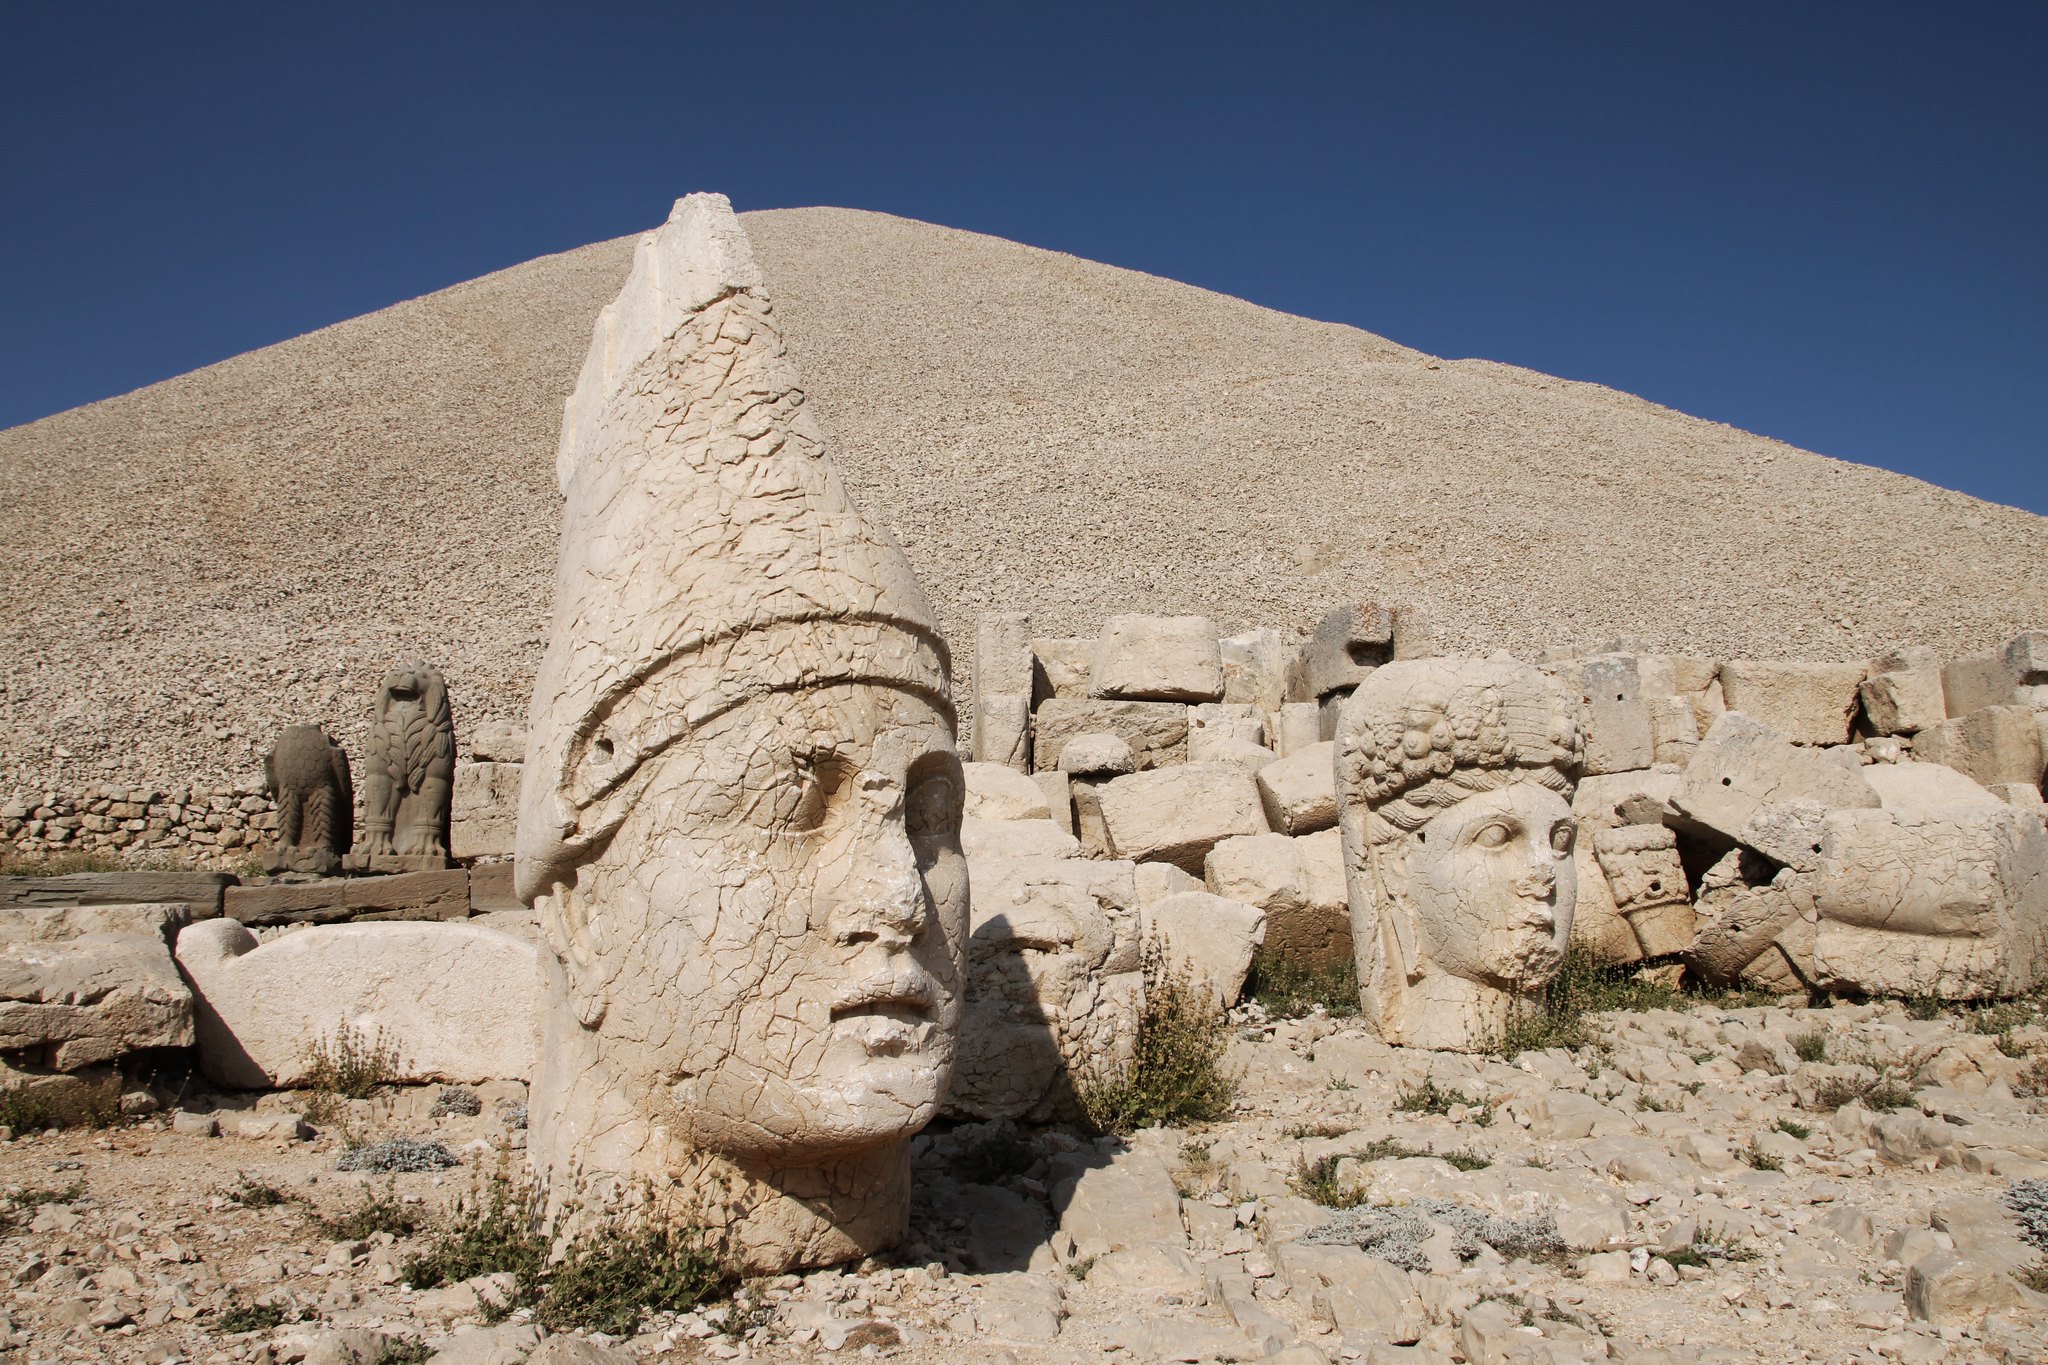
x: 1699, y: 1184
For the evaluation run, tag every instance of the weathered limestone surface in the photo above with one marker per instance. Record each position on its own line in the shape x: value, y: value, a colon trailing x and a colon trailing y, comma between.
x: 1640, y: 866
x: 1902, y: 692
x: 1455, y: 778
x: 1157, y: 658
x: 408, y: 773
x: 1255, y: 665
x: 1351, y: 641
x: 86, y: 984
x: 1807, y: 703
x: 1228, y: 732
x: 1743, y: 766
x: 1306, y: 924
x: 457, y: 1002
x: 1905, y: 786
x: 1744, y: 905
x: 1950, y: 903
x: 308, y: 774
x: 1003, y: 673
x: 1157, y: 731
x: 484, y: 814
x: 996, y: 791
x: 740, y: 823
x: 1992, y: 746
x: 1300, y: 790
x: 1178, y: 814
x: 1097, y: 755
x: 496, y: 741
x: 1208, y: 938
x: 1619, y: 737
x: 440, y: 895
x: 1059, y: 667
x: 2015, y: 676
x: 1054, y: 985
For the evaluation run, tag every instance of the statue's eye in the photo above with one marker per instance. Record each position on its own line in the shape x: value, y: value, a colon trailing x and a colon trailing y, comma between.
x: 1494, y: 835
x: 933, y: 808
x: 1561, y: 837
x: 810, y: 787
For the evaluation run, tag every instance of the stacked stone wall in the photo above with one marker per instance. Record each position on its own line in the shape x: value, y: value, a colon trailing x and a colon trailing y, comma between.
x: 207, y: 827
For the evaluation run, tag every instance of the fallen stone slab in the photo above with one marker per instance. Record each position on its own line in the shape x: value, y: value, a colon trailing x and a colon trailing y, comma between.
x: 1808, y: 703
x: 320, y: 902
x: 1993, y: 746
x: 1308, y: 919
x: 1157, y: 731
x: 199, y: 890
x: 1299, y: 792
x: 1914, y: 785
x: 1743, y: 765
x: 1207, y: 940
x: 1176, y: 815
x: 998, y: 792
x: 80, y: 985
x: 458, y: 1002
x: 1902, y: 692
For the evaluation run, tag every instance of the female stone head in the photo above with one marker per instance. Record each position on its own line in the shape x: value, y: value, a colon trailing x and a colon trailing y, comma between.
x: 1455, y: 777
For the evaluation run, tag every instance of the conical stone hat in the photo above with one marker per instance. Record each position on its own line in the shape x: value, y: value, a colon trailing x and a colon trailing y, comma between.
x: 709, y: 553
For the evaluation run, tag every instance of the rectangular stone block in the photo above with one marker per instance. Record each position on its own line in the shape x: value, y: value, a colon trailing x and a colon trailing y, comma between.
x: 1059, y: 797
x: 1176, y: 815
x: 1992, y: 746
x: 1296, y: 726
x: 1299, y: 792
x: 1157, y: 731
x: 490, y: 889
x: 2016, y: 675
x: 409, y: 895
x: 1902, y: 693
x: 1002, y: 682
x: 1269, y: 871
x: 1618, y: 737
x: 1157, y: 658
x: 1807, y: 703
x: 1674, y: 730
x: 199, y: 890
x: 321, y: 902
x: 81, y: 985
x: 484, y: 809
x: 1255, y: 667
x: 1060, y: 666
x: 1346, y: 645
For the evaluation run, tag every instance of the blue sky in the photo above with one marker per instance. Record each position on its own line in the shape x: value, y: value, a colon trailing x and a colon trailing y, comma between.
x: 1822, y: 222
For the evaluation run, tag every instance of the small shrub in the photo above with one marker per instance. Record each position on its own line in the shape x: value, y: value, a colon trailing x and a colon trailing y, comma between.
x: 1651, y: 1104
x: 1923, y: 1008
x: 1874, y: 1092
x: 1810, y: 1047
x: 258, y: 1194
x: 1316, y: 1181
x: 1723, y: 1245
x: 1759, y: 1159
x: 1079, y: 1269
x: 1176, y: 1075
x: 351, y: 1064
x: 994, y: 1158
x: 1887, y: 1094
x: 1289, y: 990
x: 399, y: 1154
x: 1199, y: 1173
x: 377, y: 1212
x: 1685, y: 1256
x: 2003, y: 1017
x: 410, y: 1351
x: 1791, y: 1128
x: 1298, y: 1131
x: 610, y: 1278
x: 248, y: 1317
x: 18, y: 1202
x: 94, y: 1104
x: 1429, y: 1098
x: 2011, y: 1045
x: 495, y: 1228
x: 2032, y: 1082
x: 453, y: 1100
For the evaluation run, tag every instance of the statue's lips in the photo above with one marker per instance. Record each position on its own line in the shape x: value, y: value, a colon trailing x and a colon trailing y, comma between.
x: 889, y: 1014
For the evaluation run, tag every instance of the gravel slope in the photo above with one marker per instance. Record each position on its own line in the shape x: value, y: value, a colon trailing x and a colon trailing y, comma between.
x: 188, y: 566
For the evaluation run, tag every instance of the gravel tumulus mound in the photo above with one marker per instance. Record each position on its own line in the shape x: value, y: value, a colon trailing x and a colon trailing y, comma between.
x: 187, y: 567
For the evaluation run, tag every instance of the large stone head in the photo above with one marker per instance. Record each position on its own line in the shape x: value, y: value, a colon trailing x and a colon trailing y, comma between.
x: 1455, y: 778
x: 741, y: 806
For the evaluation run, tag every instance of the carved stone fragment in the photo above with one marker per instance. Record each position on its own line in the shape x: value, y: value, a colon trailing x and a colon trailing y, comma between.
x: 408, y: 774
x: 740, y: 820
x: 1454, y: 778
x: 308, y: 775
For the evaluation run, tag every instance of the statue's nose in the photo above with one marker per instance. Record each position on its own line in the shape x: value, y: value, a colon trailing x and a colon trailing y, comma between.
x: 880, y: 898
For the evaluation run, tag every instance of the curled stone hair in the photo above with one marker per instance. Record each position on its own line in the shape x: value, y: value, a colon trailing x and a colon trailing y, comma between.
x: 1420, y: 736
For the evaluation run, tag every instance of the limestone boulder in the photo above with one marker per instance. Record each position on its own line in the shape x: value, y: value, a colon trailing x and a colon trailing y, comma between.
x: 1156, y: 731
x: 484, y: 812
x: 1945, y: 902
x: 496, y: 741
x: 1031, y: 838
x: 458, y: 1002
x: 1208, y: 939
x: 1743, y: 766
x: 1618, y: 734
x: 996, y: 791
x: 1296, y: 726
x: 1177, y: 815
x: 1902, y: 692
x: 1299, y: 792
x: 1270, y: 871
x: 1255, y: 666
x: 1913, y: 785
x: 2016, y: 675
x: 1097, y: 755
x: 1059, y: 666
x: 1993, y: 746
x: 1157, y: 658
x: 80, y: 985
x: 1808, y: 703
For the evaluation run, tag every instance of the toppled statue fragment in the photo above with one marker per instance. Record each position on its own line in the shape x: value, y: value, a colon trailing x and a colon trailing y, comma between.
x: 308, y: 775
x: 408, y: 774
x: 740, y: 816
x: 1455, y: 779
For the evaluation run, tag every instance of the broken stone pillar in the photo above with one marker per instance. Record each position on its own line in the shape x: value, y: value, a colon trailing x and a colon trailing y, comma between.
x: 1454, y: 782
x: 308, y: 775
x: 1157, y: 658
x: 1641, y: 867
x: 1807, y: 703
x: 1902, y: 693
x: 1003, y: 668
x: 740, y: 824
x: 408, y: 774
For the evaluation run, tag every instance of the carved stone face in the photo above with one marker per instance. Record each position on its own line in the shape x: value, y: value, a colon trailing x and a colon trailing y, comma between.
x: 1493, y: 885
x: 771, y: 946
